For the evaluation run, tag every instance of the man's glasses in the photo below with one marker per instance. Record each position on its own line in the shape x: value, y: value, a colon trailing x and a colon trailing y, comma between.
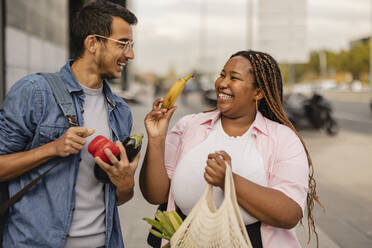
x: 124, y: 45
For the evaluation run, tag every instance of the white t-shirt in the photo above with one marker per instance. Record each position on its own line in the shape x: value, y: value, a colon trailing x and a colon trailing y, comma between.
x: 88, y: 227
x: 188, y: 182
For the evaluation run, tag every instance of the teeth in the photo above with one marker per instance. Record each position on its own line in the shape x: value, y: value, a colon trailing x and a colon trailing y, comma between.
x: 224, y: 96
x: 121, y: 64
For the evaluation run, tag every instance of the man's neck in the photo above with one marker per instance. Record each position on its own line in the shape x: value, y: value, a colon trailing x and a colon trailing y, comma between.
x: 86, y: 74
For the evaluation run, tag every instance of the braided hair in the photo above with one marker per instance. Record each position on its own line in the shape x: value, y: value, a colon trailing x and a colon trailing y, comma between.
x: 268, y: 77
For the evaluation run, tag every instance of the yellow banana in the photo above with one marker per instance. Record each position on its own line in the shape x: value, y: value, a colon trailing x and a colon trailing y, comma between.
x: 173, y: 93
x: 173, y: 219
x: 165, y: 222
x: 177, y: 217
x: 156, y: 224
x: 159, y: 235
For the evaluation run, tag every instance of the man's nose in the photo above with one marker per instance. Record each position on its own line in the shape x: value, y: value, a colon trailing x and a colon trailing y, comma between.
x: 130, y: 53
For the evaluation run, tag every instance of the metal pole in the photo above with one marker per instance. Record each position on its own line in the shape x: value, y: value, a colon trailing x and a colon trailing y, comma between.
x: 203, y: 30
x: 323, y: 63
x: 370, y: 45
x: 249, y: 24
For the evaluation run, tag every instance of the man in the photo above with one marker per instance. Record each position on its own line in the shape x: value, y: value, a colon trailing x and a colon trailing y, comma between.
x: 69, y: 207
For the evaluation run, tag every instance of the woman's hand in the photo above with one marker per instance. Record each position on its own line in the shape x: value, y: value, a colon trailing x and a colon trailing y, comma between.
x: 157, y: 121
x: 216, y: 166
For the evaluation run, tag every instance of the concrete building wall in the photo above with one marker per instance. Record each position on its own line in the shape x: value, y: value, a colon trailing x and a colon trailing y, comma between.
x: 36, y: 37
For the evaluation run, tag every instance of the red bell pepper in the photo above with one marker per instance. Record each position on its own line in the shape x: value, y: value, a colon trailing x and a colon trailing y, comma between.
x: 97, y: 146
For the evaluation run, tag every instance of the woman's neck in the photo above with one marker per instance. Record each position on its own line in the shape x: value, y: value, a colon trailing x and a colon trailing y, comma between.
x: 237, y: 126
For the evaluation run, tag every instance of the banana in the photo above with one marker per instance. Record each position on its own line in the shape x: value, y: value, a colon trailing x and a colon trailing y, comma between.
x: 165, y: 222
x: 155, y: 224
x: 159, y: 235
x: 173, y: 220
x: 177, y: 217
x: 173, y: 93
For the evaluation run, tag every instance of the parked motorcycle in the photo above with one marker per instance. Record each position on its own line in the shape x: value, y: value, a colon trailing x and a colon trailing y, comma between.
x: 314, y: 112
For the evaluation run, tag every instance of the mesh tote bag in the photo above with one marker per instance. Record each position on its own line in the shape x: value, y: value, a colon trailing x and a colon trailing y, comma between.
x: 208, y: 227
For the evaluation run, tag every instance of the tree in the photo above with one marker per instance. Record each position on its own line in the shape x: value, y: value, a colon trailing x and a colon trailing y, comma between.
x: 358, y: 60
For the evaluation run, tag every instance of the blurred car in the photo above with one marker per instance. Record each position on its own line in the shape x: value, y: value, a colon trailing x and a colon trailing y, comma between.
x: 210, y: 97
x: 356, y: 86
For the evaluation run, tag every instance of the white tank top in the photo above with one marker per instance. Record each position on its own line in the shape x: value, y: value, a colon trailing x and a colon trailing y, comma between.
x: 188, y: 182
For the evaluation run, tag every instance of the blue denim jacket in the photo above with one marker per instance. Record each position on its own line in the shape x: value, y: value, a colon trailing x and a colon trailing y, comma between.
x: 29, y: 118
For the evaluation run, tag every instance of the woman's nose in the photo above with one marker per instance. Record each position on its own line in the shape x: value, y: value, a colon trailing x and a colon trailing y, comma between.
x: 223, y: 83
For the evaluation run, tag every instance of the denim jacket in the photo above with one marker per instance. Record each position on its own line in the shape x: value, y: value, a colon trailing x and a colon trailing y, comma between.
x: 29, y: 118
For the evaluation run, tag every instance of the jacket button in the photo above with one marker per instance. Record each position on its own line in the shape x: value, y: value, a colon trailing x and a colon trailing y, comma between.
x: 82, y: 111
x: 73, y: 209
x: 67, y: 235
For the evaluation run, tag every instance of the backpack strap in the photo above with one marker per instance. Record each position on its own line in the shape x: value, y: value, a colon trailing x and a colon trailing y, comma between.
x: 64, y: 101
x: 62, y: 96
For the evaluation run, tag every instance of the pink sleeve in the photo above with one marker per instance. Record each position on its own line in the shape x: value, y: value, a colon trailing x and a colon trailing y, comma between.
x: 290, y: 171
x: 173, y: 144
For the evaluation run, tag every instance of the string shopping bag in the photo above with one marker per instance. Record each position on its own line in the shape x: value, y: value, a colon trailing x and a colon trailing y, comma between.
x: 209, y: 227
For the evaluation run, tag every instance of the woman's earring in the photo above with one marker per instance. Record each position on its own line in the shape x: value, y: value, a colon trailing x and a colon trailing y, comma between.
x: 256, y: 106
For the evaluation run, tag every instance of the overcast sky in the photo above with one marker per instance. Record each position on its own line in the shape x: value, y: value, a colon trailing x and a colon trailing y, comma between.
x: 168, y: 32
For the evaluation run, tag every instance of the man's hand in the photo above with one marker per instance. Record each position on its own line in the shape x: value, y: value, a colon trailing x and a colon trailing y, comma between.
x: 121, y: 172
x: 72, y: 141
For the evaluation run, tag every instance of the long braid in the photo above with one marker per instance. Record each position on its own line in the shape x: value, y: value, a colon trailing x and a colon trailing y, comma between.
x: 268, y: 78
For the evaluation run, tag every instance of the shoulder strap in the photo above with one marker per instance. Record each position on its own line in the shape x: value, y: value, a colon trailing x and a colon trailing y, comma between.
x: 64, y: 101
x: 4, y: 206
x: 62, y: 96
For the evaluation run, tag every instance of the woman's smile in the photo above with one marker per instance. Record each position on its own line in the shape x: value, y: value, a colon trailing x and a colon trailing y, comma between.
x: 224, y: 98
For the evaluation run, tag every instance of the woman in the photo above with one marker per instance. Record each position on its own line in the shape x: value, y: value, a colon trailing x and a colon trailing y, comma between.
x: 249, y: 131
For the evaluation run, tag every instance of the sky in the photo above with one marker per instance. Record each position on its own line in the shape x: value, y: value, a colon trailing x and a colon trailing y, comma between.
x: 169, y: 32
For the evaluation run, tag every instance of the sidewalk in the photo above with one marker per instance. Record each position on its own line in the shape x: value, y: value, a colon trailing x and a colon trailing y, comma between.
x: 134, y: 229
x: 349, y: 96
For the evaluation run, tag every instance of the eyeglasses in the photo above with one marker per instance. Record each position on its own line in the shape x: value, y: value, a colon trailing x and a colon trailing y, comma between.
x: 124, y: 45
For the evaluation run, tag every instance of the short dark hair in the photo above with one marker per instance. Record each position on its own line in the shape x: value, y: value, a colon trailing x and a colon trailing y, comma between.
x: 95, y: 17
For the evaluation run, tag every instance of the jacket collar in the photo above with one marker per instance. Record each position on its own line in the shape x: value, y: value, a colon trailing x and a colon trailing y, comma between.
x: 74, y: 86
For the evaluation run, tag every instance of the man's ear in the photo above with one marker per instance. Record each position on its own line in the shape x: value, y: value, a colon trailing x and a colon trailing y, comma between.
x: 90, y: 43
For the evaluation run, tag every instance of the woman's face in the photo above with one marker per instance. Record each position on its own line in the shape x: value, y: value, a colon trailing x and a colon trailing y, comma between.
x: 236, y: 93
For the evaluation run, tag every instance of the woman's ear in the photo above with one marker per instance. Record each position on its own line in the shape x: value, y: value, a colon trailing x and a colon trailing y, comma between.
x: 259, y: 94
x: 90, y: 43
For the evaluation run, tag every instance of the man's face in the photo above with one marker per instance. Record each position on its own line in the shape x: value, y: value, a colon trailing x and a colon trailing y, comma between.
x: 112, y: 55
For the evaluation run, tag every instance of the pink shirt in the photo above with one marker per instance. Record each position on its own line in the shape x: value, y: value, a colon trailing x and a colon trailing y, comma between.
x: 283, y: 154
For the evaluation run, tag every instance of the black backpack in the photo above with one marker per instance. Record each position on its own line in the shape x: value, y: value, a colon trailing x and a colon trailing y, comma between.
x: 64, y: 101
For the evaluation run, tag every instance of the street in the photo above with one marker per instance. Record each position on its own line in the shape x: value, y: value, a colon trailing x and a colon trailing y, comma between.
x: 343, y: 170
x: 355, y: 116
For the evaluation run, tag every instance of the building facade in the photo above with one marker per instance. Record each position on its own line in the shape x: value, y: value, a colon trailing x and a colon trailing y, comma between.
x: 34, y: 37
